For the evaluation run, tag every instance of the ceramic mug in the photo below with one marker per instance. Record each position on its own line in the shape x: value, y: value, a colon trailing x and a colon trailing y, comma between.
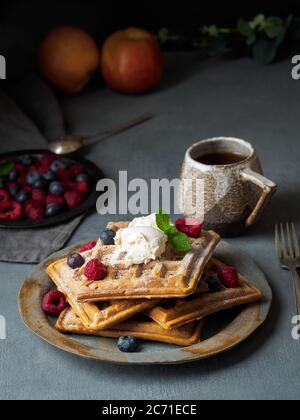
x: 232, y: 196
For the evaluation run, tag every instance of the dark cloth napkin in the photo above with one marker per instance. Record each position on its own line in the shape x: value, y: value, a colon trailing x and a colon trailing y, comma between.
x: 34, y: 245
x: 17, y: 131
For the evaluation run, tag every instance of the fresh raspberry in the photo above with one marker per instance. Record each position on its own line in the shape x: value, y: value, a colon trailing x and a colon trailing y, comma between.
x: 73, y: 199
x: 95, y: 270
x: 36, y: 212
x: 22, y: 181
x: 4, y: 199
x: 43, y: 169
x: 53, y: 303
x: 64, y: 174
x: 76, y: 170
x: 88, y: 246
x: 70, y: 185
x: 29, y: 205
x: 21, y: 169
x: 39, y: 195
x: 229, y: 277
x: 28, y: 188
x: 12, y: 212
x: 189, y: 226
x: 83, y: 187
x: 32, y: 168
x: 47, y: 159
x: 55, y: 199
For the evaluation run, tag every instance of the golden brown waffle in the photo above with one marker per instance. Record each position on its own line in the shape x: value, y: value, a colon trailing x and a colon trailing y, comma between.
x: 92, y: 315
x: 138, y: 327
x: 173, y: 275
x: 178, y: 312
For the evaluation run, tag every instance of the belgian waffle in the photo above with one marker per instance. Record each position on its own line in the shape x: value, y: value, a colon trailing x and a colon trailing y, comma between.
x: 178, y: 312
x: 92, y: 315
x: 138, y: 327
x: 173, y: 275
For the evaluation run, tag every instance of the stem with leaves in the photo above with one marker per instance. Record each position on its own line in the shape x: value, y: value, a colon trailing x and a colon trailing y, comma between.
x: 262, y: 37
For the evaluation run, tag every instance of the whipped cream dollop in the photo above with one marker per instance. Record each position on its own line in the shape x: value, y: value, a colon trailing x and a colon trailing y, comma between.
x: 147, y: 221
x: 142, y: 241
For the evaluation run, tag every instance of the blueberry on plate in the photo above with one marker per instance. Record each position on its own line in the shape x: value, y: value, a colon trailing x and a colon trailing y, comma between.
x: 82, y: 178
x: 13, y: 175
x: 57, y: 164
x: 50, y: 176
x: 25, y: 160
x: 53, y: 210
x: 56, y: 188
x: 33, y: 177
x: 214, y: 284
x: 14, y: 191
x: 107, y: 236
x: 41, y: 184
x: 75, y: 260
x: 128, y: 344
x: 22, y: 197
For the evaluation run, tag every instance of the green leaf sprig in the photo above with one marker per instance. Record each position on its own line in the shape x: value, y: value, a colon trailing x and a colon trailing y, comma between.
x: 180, y: 241
x: 5, y: 168
x: 262, y: 37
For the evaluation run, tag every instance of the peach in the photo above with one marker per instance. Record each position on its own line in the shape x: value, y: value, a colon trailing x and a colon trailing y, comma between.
x: 68, y: 57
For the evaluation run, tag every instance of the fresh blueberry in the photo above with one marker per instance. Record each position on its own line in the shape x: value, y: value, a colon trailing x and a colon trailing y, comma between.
x: 23, y: 196
x: 53, y: 210
x: 128, y: 344
x: 33, y: 177
x: 13, y: 175
x: 75, y: 261
x: 25, y: 160
x: 41, y: 184
x: 50, y: 176
x: 107, y: 236
x: 56, y: 188
x: 213, y: 284
x: 82, y: 178
x: 57, y: 164
x: 14, y: 191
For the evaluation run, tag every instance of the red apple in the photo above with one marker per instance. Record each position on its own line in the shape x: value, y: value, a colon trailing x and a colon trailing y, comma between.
x: 132, y: 61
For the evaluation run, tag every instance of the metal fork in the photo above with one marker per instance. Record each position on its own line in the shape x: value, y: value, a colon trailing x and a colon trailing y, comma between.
x: 288, y: 251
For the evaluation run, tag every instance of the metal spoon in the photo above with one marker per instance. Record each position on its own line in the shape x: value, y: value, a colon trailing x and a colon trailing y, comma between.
x: 71, y: 143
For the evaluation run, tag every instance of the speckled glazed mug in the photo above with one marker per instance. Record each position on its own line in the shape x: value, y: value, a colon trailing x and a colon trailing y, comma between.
x: 233, y: 195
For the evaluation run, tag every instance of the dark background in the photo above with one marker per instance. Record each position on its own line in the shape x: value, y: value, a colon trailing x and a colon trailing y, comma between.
x: 102, y: 17
x: 24, y: 23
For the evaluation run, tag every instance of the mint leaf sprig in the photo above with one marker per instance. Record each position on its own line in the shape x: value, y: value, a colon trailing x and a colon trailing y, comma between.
x: 180, y: 241
x: 5, y: 168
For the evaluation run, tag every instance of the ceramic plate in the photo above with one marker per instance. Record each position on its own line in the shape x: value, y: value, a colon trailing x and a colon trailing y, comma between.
x: 222, y: 331
x: 95, y: 175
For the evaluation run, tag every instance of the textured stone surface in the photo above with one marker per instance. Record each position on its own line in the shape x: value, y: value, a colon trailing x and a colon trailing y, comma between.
x: 202, y: 99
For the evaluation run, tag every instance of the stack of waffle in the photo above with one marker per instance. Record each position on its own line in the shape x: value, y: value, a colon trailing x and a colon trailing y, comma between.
x: 166, y: 300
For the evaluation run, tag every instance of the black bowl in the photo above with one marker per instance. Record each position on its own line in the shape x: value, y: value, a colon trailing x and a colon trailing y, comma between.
x: 95, y: 175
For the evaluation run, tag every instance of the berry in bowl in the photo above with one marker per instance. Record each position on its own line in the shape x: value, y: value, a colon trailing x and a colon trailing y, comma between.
x: 38, y: 188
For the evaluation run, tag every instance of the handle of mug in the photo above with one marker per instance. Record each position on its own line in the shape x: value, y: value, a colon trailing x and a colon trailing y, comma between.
x: 268, y: 189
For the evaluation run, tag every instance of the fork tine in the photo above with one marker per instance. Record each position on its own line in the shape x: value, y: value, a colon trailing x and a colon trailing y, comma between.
x: 290, y: 242
x: 278, y: 242
x: 295, y: 241
x: 283, y: 242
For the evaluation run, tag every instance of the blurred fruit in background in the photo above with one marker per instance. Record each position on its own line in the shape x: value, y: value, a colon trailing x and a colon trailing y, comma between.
x: 68, y: 57
x: 132, y: 61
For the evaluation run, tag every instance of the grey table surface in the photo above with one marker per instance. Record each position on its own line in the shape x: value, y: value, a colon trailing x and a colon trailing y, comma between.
x: 199, y: 99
